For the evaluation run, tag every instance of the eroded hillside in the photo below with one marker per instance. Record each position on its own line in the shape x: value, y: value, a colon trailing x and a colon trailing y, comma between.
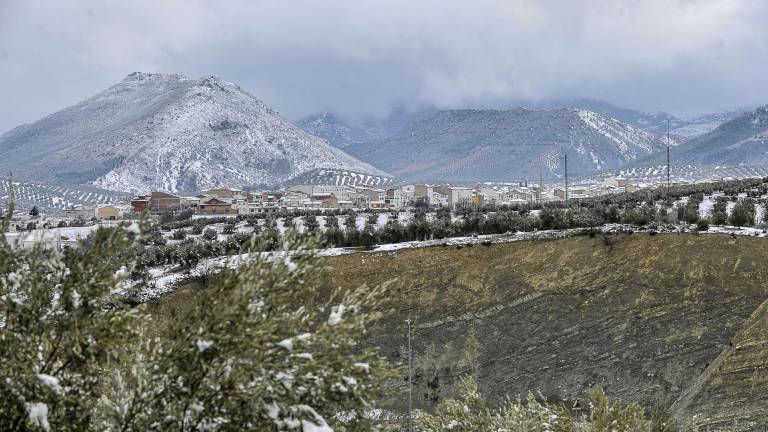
x: 643, y: 315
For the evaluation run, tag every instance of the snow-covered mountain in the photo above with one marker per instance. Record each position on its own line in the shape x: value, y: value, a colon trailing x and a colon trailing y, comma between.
x: 470, y: 145
x: 653, y: 122
x: 741, y: 141
x: 171, y: 133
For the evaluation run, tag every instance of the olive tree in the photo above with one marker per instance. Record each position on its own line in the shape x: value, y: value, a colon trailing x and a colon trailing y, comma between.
x: 263, y: 348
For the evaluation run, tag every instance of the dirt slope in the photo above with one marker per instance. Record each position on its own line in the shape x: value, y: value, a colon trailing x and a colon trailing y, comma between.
x: 678, y: 315
x: 642, y: 315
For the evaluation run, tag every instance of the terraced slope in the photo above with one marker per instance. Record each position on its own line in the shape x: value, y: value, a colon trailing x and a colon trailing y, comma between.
x: 51, y: 197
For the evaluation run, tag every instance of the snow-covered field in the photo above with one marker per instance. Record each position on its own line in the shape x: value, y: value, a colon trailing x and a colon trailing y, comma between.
x: 657, y: 174
x: 64, y: 235
x: 51, y: 197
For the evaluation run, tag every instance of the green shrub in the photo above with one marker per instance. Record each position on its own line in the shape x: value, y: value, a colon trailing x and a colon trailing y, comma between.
x: 229, y: 228
x: 743, y: 214
x: 210, y: 234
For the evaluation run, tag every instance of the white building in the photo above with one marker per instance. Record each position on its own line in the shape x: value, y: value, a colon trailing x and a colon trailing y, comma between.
x: 259, y: 208
x: 80, y: 212
x: 459, y: 196
x: 342, y: 193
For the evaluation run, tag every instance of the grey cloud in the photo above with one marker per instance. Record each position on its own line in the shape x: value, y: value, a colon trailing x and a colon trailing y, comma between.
x: 361, y: 58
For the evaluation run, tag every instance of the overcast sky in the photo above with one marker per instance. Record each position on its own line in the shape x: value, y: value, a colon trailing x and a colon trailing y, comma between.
x: 360, y: 58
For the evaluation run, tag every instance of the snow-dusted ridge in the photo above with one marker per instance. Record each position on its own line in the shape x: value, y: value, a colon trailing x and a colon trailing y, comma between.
x: 628, y: 139
x: 505, y: 145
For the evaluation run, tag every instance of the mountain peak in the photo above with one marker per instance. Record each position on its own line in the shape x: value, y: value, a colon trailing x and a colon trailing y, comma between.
x: 167, y: 132
x: 146, y: 76
x: 213, y: 81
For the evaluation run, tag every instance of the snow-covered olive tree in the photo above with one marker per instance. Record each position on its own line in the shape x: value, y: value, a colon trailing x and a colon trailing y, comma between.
x: 259, y: 351
x: 262, y: 349
x: 56, y: 336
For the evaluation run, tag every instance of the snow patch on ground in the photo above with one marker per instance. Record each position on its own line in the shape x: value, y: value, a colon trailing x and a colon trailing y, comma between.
x: 166, y: 278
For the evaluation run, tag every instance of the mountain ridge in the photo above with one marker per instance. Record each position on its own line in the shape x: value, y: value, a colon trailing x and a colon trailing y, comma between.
x: 741, y: 141
x: 656, y: 122
x: 345, y: 134
x: 463, y: 145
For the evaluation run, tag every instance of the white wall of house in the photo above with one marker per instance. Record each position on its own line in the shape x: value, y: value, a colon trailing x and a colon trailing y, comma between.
x: 439, y: 199
x: 460, y: 195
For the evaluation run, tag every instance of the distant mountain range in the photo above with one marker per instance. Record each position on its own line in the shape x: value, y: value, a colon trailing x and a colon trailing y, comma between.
x: 170, y: 133
x: 470, y: 145
x: 741, y: 141
x: 497, y: 144
x: 343, y: 133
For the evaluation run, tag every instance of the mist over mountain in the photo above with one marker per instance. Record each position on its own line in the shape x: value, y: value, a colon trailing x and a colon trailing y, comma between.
x: 344, y: 134
x: 338, y: 132
x: 171, y: 133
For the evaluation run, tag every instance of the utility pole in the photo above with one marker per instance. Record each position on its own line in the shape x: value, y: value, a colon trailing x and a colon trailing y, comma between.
x: 566, y: 180
x: 667, y: 160
x: 410, y: 380
x: 541, y: 188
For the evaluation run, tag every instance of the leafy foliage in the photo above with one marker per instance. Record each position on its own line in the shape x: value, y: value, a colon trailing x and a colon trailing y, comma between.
x: 743, y: 214
x: 470, y: 413
x: 244, y: 358
x: 57, y: 336
x: 279, y: 366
